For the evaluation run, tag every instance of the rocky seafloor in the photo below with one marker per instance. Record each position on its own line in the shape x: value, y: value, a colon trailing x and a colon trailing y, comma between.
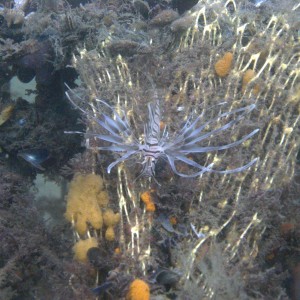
x: 121, y: 236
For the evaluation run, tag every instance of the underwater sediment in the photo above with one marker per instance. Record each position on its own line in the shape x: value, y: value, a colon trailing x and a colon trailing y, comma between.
x: 213, y: 236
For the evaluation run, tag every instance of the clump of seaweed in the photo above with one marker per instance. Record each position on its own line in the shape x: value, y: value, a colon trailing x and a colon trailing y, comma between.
x: 31, y: 260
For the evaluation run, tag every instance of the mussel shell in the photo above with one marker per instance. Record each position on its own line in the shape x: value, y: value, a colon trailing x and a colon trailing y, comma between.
x: 25, y: 75
x: 142, y: 7
x: 183, y: 6
x: 165, y: 223
x: 44, y: 75
x: 102, y: 288
x: 35, y: 157
x: 165, y: 277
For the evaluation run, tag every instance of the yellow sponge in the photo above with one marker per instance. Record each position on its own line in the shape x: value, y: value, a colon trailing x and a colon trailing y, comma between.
x: 110, y: 219
x: 81, y: 248
x: 84, y: 201
x: 110, y: 234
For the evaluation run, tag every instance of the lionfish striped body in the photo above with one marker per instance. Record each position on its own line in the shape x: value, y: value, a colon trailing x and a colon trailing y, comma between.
x: 152, y: 149
x: 155, y: 145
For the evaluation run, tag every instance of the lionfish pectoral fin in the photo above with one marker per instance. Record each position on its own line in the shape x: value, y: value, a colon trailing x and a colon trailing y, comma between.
x: 121, y: 159
x: 190, y: 148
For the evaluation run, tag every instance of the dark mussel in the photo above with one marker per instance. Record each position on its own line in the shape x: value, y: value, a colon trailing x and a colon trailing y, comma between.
x: 101, y: 289
x: 35, y: 157
x: 165, y: 276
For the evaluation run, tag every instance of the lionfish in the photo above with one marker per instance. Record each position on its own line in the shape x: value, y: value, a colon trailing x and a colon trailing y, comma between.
x: 155, y: 144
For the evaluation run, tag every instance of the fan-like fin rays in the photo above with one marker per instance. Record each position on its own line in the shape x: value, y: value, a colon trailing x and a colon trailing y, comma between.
x: 154, y: 146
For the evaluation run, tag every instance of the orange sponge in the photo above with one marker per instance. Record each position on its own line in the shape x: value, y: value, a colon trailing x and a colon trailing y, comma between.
x: 248, y: 76
x: 138, y: 290
x: 223, y: 65
x: 81, y: 248
x: 147, y: 198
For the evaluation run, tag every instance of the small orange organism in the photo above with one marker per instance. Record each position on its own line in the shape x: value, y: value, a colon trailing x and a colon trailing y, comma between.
x: 147, y: 198
x: 223, y: 65
x: 173, y: 220
x: 286, y: 229
x: 248, y: 76
x: 162, y: 125
x: 117, y: 251
x: 138, y: 290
